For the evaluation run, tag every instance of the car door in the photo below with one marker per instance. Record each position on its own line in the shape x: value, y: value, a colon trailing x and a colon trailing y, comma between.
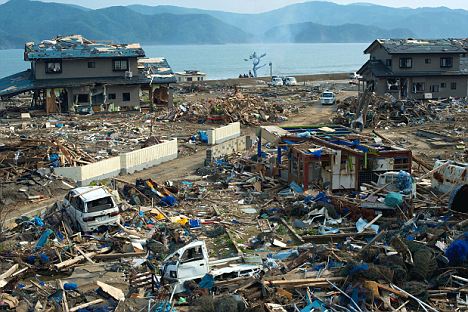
x: 76, y: 211
x: 192, y: 263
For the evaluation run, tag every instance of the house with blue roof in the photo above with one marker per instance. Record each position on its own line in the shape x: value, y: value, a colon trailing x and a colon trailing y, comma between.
x: 74, y: 74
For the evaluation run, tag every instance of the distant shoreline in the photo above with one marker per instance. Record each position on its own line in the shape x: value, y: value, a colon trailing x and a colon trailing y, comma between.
x: 299, y: 78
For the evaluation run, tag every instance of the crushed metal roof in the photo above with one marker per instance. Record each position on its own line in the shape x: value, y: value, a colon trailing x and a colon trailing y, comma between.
x: 75, y: 46
x: 156, y: 67
x: 420, y: 46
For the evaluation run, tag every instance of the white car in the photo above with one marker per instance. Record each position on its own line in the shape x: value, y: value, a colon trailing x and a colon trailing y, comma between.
x: 91, y: 207
x: 276, y: 81
x: 327, y: 98
x: 290, y: 81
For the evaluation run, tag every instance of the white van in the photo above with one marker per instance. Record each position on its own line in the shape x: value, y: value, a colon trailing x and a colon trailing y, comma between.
x: 276, y: 81
x: 327, y: 98
x: 90, y: 207
x: 290, y: 81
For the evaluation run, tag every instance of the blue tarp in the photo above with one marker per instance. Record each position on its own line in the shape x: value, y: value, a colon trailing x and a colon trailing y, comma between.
x: 317, y: 153
x: 44, y: 238
x: 457, y: 252
x: 296, y: 188
x: 393, y: 199
x: 169, y: 201
x: 203, y: 136
x: 404, y: 182
x: 207, y: 282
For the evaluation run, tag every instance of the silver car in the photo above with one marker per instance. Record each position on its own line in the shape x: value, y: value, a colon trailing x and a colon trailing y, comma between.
x: 90, y: 207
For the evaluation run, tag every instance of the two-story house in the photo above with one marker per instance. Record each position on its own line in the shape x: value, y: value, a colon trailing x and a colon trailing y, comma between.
x: 416, y: 69
x: 72, y: 74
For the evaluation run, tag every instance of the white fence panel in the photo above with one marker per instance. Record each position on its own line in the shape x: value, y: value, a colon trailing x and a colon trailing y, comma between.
x: 223, y: 134
x: 149, y: 156
x: 125, y: 163
x: 103, y: 169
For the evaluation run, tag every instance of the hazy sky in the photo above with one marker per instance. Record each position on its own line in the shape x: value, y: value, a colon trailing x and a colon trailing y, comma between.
x: 258, y: 5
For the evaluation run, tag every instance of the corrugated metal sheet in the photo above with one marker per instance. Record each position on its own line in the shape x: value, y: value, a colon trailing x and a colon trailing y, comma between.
x: 449, y: 177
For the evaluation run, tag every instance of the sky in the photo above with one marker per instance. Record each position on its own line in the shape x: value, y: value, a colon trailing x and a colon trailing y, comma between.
x: 254, y: 6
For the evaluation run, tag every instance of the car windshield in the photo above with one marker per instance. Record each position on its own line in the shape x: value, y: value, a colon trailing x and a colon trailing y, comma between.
x: 100, y: 204
x: 327, y: 95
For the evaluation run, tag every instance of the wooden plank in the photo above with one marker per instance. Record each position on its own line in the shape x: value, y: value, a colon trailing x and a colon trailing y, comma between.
x: 85, y: 305
x: 77, y: 259
x: 297, y: 236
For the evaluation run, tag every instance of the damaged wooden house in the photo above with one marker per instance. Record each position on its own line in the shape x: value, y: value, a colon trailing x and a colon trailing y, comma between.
x: 74, y: 74
x: 333, y: 156
x: 416, y: 68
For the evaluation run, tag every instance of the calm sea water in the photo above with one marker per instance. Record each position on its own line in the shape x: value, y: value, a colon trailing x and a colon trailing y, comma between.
x: 227, y: 61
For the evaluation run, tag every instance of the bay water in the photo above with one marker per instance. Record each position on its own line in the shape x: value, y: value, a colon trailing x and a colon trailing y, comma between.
x: 228, y: 60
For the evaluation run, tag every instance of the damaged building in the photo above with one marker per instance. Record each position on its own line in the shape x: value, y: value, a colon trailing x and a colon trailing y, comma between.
x: 334, y: 157
x: 74, y: 74
x: 416, y: 69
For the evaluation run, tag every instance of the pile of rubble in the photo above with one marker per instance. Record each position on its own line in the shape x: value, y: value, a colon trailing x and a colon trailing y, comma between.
x: 233, y: 237
x: 247, y: 109
x: 386, y: 111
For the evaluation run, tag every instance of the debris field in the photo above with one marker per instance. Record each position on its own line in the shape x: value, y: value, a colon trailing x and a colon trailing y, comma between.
x: 242, y: 232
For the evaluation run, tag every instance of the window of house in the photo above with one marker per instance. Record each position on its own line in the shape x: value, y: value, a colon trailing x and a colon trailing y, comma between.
x: 446, y: 62
x: 453, y: 86
x: 120, y: 65
x: 53, y: 67
x: 427, y: 61
x: 443, y: 85
x: 111, y: 96
x: 434, y: 88
x: 126, y: 96
x: 406, y: 62
x: 199, y: 78
x: 418, y: 87
x: 388, y: 62
x: 83, y: 98
x: 91, y: 64
x: 189, y: 79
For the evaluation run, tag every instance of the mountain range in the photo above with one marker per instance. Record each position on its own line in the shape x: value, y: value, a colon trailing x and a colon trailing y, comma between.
x: 315, y: 21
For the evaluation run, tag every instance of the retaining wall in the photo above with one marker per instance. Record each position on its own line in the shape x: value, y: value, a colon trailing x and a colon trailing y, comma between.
x: 122, y: 164
x: 223, y: 134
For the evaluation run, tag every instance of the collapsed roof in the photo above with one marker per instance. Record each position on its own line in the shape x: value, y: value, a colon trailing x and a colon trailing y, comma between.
x: 76, y: 46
